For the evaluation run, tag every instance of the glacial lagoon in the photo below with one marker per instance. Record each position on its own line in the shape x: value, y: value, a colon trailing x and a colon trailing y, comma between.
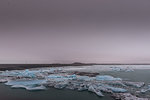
x: 115, y: 74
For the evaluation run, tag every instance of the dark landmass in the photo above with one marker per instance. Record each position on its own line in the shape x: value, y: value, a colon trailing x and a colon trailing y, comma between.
x: 4, y: 67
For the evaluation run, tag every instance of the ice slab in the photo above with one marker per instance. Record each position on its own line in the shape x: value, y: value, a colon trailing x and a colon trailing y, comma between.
x: 116, y: 90
x: 60, y: 77
x: 107, y: 78
x: 123, y: 69
x: 25, y: 82
x: 146, y: 89
x: 135, y: 84
x: 107, y: 88
x: 61, y: 85
x: 30, y: 87
x: 4, y: 80
x: 85, y: 78
x: 21, y: 73
x: 95, y: 90
x: 127, y: 96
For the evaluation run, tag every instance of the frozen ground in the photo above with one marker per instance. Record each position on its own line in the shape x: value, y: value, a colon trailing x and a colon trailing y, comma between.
x: 64, y: 77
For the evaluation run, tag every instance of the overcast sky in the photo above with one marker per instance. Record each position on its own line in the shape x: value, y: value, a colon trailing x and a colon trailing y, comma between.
x: 66, y: 31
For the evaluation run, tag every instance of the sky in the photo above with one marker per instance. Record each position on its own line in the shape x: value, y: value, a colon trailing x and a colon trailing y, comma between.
x: 66, y: 31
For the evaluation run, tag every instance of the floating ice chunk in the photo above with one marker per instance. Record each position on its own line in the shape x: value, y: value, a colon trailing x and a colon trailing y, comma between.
x: 144, y: 90
x: 61, y: 85
x: 71, y: 76
x: 36, y: 88
x: 82, y: 88
x: 118, y: 83
x: 18, y: 86
x: 117, y: 90
x: 107, y: 78
x: 25, y: 82
x: 135, y: 84
x: 28, y: 73
x: 92, y: 89
x: 107, y: 88
x: 9, y: 73
x: 24, y: 73
x: 127, y: 96
x: 3, y: 80
x: 60, y: 77
x: 85, y: 78
x: 30, y: 87
x: 54, y: 76
x: 127, y: 69
x: 116, y: 68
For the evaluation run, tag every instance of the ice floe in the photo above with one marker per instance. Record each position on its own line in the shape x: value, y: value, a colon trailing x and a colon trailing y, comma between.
x: 60, y: 78
x: 30, y: 87
x: 95, y: 90
x: 127, y: 96
x: 135, y: 84
x: 107, y: 78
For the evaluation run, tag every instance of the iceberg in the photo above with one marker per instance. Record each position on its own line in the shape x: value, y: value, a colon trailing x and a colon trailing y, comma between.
x: 98, y: 92
x: 127, y: 96
x: 60, y: 77
x: 107, y: 78
x: 25, y: 82
x: 116, y: 90
x: 30, y: 87
x: 146, y: 89
x: 28, y: 73
x: 3, y: 80
x: 116, y: 83
x: 82, y: 88
x: 85, y: 78
x: 118, y: 69
x: 107, y: 88
x: 25, y: 73
x: 135, y: 84
x: 61, y: 85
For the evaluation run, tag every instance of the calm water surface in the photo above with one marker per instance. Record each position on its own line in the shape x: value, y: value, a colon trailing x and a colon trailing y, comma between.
x: 6, y: 93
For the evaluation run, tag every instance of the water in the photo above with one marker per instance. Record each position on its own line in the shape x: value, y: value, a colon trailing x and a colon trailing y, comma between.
x: 139, y: 75
x: 6, y: 93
